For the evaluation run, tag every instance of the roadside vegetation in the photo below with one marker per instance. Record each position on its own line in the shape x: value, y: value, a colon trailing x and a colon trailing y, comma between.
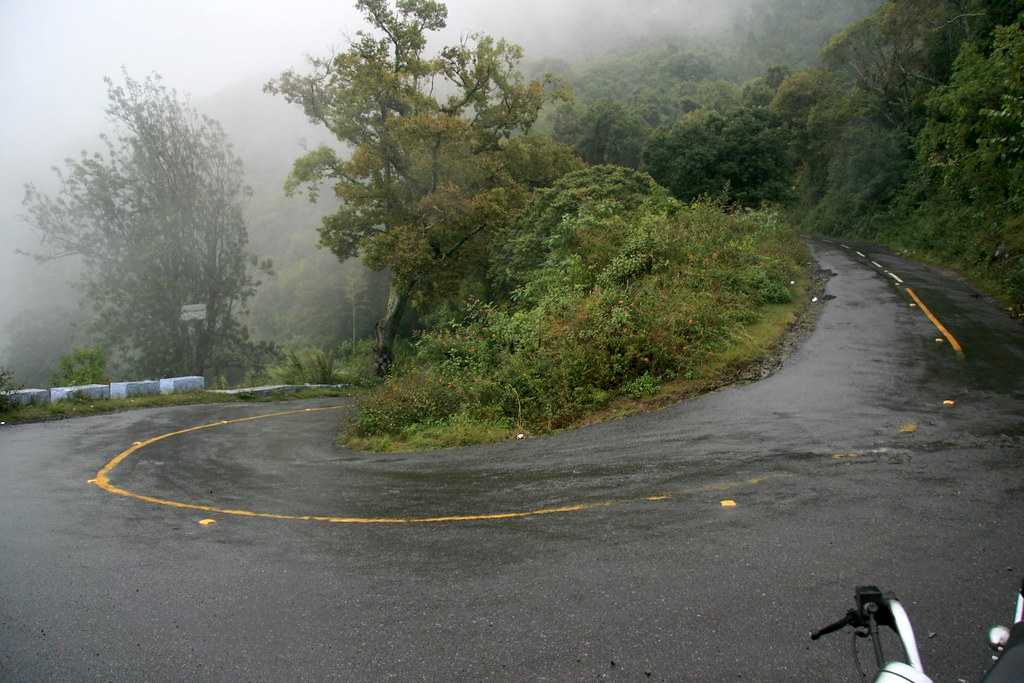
x: 883, y: 121
x: 609, y: 289
x: 348, y: 366
x: 7, y: 384
x: 81, y: 366
x: 156, y: 222
x: 526, y: 246
x: 83, y: 407
x: 911, y: 132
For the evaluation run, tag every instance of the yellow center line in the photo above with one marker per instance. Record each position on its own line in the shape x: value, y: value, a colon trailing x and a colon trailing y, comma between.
x: 102, y: 480
x: 935, y: 321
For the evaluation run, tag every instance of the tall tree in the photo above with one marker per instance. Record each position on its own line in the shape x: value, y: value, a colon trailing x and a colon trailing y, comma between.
x: 603, y: 132
x: 906, y: 48
x: 427, y: 173
x: 157, y: 219
x: 741, y: 156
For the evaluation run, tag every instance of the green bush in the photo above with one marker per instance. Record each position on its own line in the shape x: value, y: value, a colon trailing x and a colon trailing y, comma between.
x: 625, y: 293
x: 81, y: 366
x: 414, y: 398
x: 739, y: 155
x: 7, y: 384
x: 305, y: 366
x: 607, y: 189
x: 356, y: 362
x: 644, y: 385
x: 350, y: 363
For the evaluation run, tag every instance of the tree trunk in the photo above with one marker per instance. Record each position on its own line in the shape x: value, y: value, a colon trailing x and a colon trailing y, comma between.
x: 387, y: 327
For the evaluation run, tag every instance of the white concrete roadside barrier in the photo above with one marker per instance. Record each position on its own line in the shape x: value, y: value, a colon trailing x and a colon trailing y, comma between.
x: 181, y: 385
x: 149, y: 387
x: 28, y: 397
x: 95, y: 392
x: 270, y: 390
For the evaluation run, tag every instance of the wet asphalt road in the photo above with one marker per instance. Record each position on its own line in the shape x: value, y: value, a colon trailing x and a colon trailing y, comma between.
x: 829, y: 493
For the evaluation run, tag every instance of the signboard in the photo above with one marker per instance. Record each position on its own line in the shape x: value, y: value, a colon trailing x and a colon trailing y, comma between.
x: 193, y: 312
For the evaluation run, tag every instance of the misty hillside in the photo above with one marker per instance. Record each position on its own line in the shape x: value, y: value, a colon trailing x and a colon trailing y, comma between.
x: 748, y: 104
x: 473, y: 340
x: 304, y: 301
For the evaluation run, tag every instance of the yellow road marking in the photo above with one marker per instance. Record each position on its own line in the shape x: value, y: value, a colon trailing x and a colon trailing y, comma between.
x: 935, y: 321
x: 908, y: 427
x: 728, y: 503
x: 845, y: 456
x: 207, y: 522
x: 102, y: 481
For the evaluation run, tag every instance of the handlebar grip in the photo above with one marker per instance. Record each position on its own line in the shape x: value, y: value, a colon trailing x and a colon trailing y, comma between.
x: 832, y: 628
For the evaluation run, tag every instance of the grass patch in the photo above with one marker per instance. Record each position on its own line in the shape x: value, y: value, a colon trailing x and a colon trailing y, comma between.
x: 84, y: 407
x: 460, y: 430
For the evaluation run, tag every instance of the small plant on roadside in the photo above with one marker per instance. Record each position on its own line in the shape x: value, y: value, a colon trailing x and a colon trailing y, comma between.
x: 643, y: 386
x: 295, y: 367
x: 414, y: 398
x: 7, y: 384
x: 321, y: 368
x: 350, y: 364
x: 81, y: 366
x: 355, y: 365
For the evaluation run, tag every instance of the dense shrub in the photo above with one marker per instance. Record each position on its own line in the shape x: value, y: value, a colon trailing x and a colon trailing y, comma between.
x: 418, y: 398
x: 624, y: 289
x: 350, y: 363
x: 738, y: 155
x: 81, y: 366
x: 306, y: 366
x: 528, y: 240
x: 7, y: 384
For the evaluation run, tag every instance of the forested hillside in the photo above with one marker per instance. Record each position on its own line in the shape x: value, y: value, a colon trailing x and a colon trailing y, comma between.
x: 525, y: 242
x: 896, y: 122
x: 310, y: 299
x: 910, y: 133
x: 622, y: 98
x: 547, y: 289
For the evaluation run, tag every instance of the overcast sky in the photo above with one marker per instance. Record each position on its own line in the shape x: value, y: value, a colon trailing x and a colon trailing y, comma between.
x: 55, y: 53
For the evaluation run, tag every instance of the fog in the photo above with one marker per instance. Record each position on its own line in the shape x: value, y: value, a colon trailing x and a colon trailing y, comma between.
x: 54, y: 55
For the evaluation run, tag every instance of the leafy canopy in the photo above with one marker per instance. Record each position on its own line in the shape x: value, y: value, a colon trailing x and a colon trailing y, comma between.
x: 433, y: 164
x: 424, y: 171
x: 157, y: 219
x: 739, y: 155
x: 81, y: 366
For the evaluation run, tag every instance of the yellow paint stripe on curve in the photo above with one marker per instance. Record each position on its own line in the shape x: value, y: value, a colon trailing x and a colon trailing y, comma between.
x: 102, y: 480
x: 935, y: 321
